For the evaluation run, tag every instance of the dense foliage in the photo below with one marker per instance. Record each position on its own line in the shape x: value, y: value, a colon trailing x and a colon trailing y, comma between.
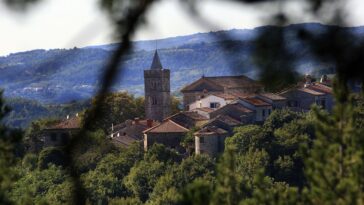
x: 293, y: 158
x: 24, y: 112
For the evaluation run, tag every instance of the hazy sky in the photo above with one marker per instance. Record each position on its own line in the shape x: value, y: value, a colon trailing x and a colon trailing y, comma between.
x: 69, y: 23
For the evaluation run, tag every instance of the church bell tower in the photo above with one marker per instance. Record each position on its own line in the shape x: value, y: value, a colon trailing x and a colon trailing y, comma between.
x: 157, y: 91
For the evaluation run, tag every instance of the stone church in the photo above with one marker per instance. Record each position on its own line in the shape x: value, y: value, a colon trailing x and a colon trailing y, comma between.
x: 157, y: 91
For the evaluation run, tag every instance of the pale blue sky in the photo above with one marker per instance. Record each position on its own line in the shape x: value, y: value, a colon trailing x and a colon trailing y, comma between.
x: 69, y: 23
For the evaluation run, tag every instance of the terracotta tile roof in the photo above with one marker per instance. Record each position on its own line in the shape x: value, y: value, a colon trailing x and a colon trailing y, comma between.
x: 225, y: 96
x: 194, y: 115
x: 187, y: 119
x: 233, y: 81
x: 124, y: 140
x: 320, y: 88
x: 242, y: 94
x: 255, y: 101
x: 225, y: 119
x: 202, y: 84
x: 71, y: 123
x: 239, y: 107
x: 309, y: 91
x: 272, y: 96
x: 168, y: 126
x: 220, y: 82
x: 210, y: 130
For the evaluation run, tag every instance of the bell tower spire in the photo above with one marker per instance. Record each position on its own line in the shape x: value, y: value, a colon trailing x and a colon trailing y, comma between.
x: 156, y: 64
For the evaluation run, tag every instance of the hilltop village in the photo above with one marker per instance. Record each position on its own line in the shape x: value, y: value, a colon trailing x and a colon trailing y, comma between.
x: 212, y: 108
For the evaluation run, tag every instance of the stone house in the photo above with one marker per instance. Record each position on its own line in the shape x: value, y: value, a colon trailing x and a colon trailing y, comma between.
x: 218, y: 85
x: 61, y: 133
x: 261, y: 108
x: 277, y: 101
x: 329, y: 100
x: 130, y: 131
x: 224, y: 122
x: 210, y: 140
x: 167, y: 133
x: 173, y: 129
x: 236, y: 111
x: 302, y: 98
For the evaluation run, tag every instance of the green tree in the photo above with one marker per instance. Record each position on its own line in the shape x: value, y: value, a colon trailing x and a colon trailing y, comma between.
x: 105, y: 182
x: 10, y: 141
x: 39, y: 186
x: 179, y: 175
x: 334, y: 165
x: 117, y: 108
x: 143, y: 177
x: 51, y: 155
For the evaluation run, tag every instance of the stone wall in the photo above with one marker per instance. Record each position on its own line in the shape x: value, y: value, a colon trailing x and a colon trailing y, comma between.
x: 171, y: 140
x: 157, y: 94
x: 212, y: 144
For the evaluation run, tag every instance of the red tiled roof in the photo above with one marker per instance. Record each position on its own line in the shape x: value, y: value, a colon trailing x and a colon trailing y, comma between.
x: 233, y: 81
x: 225, y: 119
x: 242, y: 94
x: 272, y: 96
x: 210, y: 130
x: 240, y: 107
x: 124, y: 140
x: 309, y: 91
x: 256, y: 101
x: 168, y: 126
x: 225, y: 96
x: 320, y: 88
x: 194, y: 116
x: 71, y: 123
x: 224, y: 82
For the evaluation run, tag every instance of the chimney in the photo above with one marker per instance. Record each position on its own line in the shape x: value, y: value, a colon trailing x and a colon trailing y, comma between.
x: 149, y: 123
x: 136, y: 120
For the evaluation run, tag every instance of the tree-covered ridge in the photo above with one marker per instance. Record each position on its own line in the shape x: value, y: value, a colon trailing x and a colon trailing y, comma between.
x: 62, y: 75
x: 24, y: 111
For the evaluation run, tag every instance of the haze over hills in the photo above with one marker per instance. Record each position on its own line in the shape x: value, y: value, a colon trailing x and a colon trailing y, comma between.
x: 63, y: 75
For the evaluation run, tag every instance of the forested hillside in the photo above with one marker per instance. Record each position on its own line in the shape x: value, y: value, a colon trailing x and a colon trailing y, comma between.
x: 63, y: 75
x: 24, y: 111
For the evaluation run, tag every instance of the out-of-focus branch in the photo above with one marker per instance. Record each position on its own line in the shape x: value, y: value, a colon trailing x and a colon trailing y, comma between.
x: 126, y: 25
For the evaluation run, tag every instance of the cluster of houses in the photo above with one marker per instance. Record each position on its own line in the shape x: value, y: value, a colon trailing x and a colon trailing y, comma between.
x: 213, y: 107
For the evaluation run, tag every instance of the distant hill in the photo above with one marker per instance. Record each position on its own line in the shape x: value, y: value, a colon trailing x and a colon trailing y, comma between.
x: 63, y: 75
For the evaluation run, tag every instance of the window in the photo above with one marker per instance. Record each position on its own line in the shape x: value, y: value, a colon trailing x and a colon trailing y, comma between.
x: 53, y: 137
x: 269, y: 111
x: 214, y: 105
x: 202, y: 139
x: 263, y: 113
x: 154, y: 85
x: 154, y: 100
x: 323, y: 103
